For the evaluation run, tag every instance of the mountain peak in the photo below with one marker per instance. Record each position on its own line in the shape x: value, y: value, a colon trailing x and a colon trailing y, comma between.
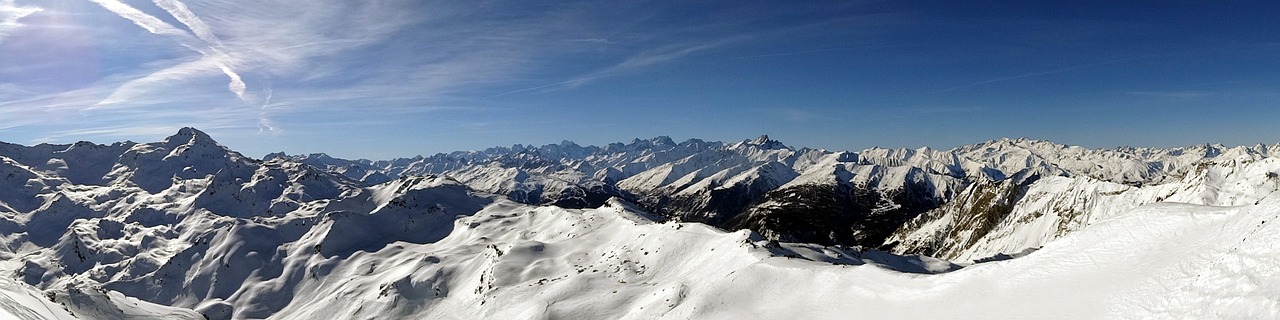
x: 763, y: 141
x: 320, y: 155
x: 274, y: 155
x: 190, y: 132
x: 189, y: 135
x: 764, y: 138
x: 662, y: 141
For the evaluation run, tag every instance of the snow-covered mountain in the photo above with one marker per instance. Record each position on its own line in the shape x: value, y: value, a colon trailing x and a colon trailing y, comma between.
x: 186, y: 228
x: 747, y: 184
x: 802, y: 195
x: 1006, y: 216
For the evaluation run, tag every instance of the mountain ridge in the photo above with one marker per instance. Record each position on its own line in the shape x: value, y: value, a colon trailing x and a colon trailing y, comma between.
x: 887, y: 156
x: 659, y: 229
x: 722, y: 183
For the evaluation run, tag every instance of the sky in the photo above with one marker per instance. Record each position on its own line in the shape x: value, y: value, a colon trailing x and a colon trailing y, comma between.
x: 382, y: 79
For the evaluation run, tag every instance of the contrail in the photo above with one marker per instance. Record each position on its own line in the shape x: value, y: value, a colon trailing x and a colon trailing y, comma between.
x: 142, y: 19
x: 264, y: 119
x: 1034, y: 74
x: 566, y: 82
x: 184, y: 15
x: 134, y: 87
x: 237, y: 85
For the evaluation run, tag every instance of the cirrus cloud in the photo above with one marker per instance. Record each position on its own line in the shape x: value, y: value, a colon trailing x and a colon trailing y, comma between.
x: 10, y: 13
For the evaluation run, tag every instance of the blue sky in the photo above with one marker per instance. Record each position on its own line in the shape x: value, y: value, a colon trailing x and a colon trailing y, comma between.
x: 381, y: 79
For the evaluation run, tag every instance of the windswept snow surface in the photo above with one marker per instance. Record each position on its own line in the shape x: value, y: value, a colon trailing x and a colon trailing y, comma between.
x: 188, y: 224
x: 21, y: 302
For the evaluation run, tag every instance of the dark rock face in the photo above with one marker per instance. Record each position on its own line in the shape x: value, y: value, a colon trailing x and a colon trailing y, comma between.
x: 985, y: 204
x: 579, y: 197
x: 716, y: 207
x: 825, y: 214
x: 834, y: 214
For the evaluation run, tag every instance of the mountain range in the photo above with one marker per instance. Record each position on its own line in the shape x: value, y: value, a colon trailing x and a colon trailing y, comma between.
x: 187, y: 228
x: 892, y: 199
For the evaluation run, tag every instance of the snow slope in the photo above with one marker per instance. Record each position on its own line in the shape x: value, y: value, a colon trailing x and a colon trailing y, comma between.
x: 710, y: 182
x: 22, y: 302
x: 189, y: 224
x: 864, y: 198
x: 513, y: 261
x: 1005, y: 218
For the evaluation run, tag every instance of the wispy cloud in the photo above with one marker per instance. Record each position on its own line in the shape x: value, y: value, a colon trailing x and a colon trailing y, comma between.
x: 668, y: 53
x: 204, y: 42
x: 1035, y: 74
x: 10, y: 13
x: 184, y: 15
x: 289, y: 65
x: 280, y: 59
x: 1171, y: 95
x: 638, y: 61
x: 658, y: 46
x: 112, y: 131
x: 131, y: 90
x: 277, y: 40
x: 566, y: 83
x: 139, y: 18
x: 799, y: 52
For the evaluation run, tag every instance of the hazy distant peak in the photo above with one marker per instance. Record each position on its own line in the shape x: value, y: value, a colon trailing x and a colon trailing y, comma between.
x: 764, y: 138
x: 763, y: 142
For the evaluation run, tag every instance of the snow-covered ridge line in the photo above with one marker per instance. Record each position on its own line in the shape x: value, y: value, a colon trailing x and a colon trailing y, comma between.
x: 1007, y: 155
x: 1007, y: 217
x: 803, y: 195
x: 190, y: 224
x: 764, y: 185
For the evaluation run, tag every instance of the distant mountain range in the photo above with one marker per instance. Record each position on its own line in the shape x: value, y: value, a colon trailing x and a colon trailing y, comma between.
x: 650, y: 228
x: 828, y: 197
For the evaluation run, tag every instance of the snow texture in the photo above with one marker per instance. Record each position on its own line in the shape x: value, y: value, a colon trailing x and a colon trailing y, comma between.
x: 187, y: 229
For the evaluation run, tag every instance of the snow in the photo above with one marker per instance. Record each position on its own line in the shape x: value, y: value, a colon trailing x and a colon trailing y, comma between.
x: 1055, y: 206
x: 607, y: 263
x: 716, y: 182
x: 186, y: 229
x: 21, y: 302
